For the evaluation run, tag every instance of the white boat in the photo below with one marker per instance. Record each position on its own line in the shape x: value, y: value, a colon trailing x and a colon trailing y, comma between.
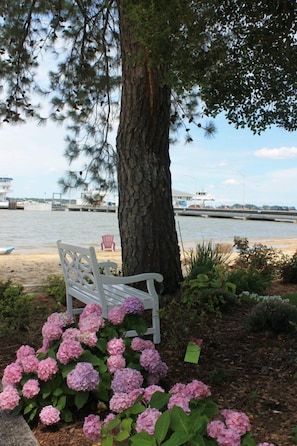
x: 6, y: 250
x: 198, y: 200
x: 5, y: 188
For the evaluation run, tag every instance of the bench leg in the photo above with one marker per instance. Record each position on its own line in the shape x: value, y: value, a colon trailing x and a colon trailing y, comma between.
x: 156, y: 325
x: 69, y: 304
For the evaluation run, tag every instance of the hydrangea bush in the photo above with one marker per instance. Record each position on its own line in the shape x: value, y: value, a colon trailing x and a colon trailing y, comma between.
x: 186, y: 415
x: 78, y: 363
x: 92, y: 360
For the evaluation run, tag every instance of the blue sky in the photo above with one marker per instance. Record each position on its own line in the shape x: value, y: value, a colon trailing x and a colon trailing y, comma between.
x: 235, y: 166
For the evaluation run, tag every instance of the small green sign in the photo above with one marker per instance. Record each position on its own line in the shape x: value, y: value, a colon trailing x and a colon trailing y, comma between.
x: 192, y: 352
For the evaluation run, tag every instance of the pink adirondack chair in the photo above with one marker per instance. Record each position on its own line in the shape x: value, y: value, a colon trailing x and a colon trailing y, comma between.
x: 107, y: 242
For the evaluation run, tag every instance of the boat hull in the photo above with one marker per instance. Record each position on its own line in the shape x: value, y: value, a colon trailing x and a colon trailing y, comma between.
x: 6, y: 250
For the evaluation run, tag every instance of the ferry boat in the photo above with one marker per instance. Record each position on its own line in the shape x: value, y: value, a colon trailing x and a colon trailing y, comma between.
x: 5, y: 189
x: 199, y: 199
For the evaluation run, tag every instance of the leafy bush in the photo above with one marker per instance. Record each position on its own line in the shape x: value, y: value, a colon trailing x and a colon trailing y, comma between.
x: 93, y: 362
x: 56, y: 289
x: 248, y: 280
x: 78, y: 363
x: 288, y: 269
x: 204, y: 259
x: 273, y: 315
x: 210, y: 293
x: 291, y: 297
x: 15, y: 309
x: 259, y: 257
x: 183, y: 416
x: 4, y: 286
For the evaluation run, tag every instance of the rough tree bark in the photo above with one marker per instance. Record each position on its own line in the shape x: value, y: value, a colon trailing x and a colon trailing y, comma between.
x: 146, y: 215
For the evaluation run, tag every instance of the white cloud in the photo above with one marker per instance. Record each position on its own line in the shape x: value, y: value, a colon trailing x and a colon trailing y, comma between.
x: 277, y: 153
x: 231, y: 182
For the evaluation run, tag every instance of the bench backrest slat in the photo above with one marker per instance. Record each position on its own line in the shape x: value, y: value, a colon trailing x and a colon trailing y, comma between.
x: 81, y: 270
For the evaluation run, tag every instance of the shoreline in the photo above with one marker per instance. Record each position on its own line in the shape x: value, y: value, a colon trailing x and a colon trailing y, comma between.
x: 32, y: 269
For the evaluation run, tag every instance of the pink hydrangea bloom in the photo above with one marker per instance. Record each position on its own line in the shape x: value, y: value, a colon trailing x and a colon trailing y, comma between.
x: 146, y: 421
x: 126, y: 380
x: 91, y: 323
x: 69, y: 349
x: 31, y: 388
x: 149, y: 391
x: 177, y: 388
x: 115, y: 362
x: 47, y: 368
x: 197, y: 389
x: 122, y: 401
x: 83, y: 377
x: 12, y: 374
x: 89, y: 309
x: 266, y: 444
x: 152, y: 379
x: 180, y: 400
x: 215, y: 427
x: 71, y: 333
x: 158, y: 371
x: 139, y: 344
x: 66, y: 319
x: 133, y: 305
x: 238, y: 421
x: 51, y: 331
x: 29, y: 363
x: 49, y: 415
x: 9, y: 398
x: 25, y: 350
x: 116, y: 346
x: 92, y: 427
x: 228, y: 437
x: 45, y: 346
x: 149, y: 359
x: 116, y: 315
x: 108, y: 419
x: 87, y: 338
x: 60, y: 319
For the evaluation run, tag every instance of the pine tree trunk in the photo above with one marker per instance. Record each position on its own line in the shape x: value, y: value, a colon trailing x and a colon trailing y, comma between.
x: 146, y: 217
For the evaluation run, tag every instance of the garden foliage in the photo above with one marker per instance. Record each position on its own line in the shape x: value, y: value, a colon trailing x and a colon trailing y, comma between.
x: 273, y: 315
x: 93, y: 362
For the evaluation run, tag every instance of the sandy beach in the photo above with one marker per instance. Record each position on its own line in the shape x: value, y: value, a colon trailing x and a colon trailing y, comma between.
x: 33, y: 269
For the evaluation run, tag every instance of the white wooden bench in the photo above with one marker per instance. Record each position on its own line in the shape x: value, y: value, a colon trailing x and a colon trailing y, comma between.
x: 85, y: 282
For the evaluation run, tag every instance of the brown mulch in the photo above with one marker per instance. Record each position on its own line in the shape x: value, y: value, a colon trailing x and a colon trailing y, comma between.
x: 254, y: 373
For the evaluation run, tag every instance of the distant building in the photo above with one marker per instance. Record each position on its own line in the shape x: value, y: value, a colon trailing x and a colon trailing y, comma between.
x: 180, y: 199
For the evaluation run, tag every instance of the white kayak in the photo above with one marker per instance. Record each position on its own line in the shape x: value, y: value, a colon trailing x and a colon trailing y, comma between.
x: 6, y: 250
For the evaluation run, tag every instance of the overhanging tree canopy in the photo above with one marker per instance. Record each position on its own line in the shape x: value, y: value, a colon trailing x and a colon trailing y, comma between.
x: 161, y: 63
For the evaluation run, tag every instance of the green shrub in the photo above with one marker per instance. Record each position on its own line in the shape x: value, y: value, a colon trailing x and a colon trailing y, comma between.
x: 248, y: 280
x: 204, y: 259
x: 292, y: 297
x: 217, y: 300
x: 56, y: 289
x: 273, y: 315
x: 4, y: 286
x: 15, y: 310
x: 210, y: 293
x: 259, y: 257
x: 288, y: 269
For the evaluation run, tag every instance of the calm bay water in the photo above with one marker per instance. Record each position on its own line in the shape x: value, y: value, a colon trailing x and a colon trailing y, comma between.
x: 38, y: 231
